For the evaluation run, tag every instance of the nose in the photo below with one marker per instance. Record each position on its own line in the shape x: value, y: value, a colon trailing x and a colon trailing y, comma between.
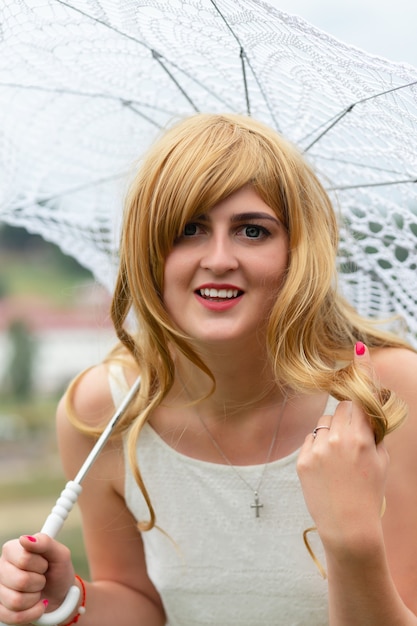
x: 219, y: 254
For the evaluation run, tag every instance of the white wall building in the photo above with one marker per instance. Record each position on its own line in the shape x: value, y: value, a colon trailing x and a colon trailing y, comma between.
x: 66, y: 340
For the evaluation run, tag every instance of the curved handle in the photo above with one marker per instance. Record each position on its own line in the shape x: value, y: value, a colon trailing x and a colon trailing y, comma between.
x: 61, y: 613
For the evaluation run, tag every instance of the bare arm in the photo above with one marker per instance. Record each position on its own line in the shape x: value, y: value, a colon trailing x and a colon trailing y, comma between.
x: 370, y: 561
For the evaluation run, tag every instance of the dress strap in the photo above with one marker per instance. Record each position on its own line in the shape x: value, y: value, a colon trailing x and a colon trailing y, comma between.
x: 331, y: 406
x: 117, y: 382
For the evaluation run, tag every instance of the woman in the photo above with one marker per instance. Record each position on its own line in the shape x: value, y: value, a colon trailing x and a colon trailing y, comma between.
x: 194, y: 513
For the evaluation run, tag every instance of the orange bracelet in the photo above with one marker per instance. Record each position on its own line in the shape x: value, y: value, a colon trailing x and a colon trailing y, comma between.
x: 81, y: 608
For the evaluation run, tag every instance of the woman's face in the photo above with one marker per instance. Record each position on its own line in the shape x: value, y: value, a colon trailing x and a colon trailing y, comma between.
x: 225, y: 271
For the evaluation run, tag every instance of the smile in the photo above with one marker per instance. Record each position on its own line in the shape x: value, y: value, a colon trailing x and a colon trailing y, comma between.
x: 218, y: 294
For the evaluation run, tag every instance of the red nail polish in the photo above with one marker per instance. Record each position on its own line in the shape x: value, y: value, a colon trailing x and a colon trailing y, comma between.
x: 360, y: 348
x: 32, y: 539
x: 45, y: 603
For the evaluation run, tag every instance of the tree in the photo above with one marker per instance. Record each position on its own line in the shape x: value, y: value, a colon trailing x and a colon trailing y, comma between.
x: 21, y: 359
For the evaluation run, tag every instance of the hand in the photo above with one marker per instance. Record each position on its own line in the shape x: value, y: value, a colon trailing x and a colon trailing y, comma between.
x: 343, y: 474
x: 35, y: 575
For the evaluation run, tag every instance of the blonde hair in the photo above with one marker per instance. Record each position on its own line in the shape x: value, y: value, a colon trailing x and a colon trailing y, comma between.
x: 311, y: 330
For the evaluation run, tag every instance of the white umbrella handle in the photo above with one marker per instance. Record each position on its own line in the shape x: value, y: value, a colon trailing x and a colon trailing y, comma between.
x: 51, y: 527
x: 65, y: 504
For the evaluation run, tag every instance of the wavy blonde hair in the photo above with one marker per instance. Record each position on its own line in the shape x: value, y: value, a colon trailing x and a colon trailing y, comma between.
x: 311, y: 330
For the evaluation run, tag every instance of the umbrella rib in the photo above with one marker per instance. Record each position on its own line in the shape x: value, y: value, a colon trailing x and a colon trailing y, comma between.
x: 381, y: 184
x: 365, y: 166
x: 70, y: 92
x: 348, y: 109
x: 261, y: 90
x: 244, y: 57
x: 130, y: 106
x: 103, y: 23
x: 158, y: 57
x: 67, y: 192
x: 196, y: 81
x: 125, y: 102
x: 245, y: 80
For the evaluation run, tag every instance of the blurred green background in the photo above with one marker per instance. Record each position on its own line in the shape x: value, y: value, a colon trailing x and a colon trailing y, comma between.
x: 44, y: 295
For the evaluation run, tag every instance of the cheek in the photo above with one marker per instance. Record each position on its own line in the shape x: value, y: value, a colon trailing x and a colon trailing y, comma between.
x: 174, y: 269
x: 276, y: 271
x: 177, y: 274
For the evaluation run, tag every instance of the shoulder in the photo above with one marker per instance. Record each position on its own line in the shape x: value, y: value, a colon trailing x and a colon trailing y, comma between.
x: 82, y: 414
x: 89, y: 397
x: 396, y: 368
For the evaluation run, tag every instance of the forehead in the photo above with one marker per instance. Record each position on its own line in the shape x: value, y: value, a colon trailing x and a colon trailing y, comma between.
x: 245, y: 202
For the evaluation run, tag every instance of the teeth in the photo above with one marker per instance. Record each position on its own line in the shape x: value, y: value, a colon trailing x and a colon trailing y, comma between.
x: 219, y: 293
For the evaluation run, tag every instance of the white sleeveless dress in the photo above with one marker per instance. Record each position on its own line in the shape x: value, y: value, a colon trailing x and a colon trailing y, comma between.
x: 220, y: 565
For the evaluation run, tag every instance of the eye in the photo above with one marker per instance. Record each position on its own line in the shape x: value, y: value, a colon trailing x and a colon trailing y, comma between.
x: 253, y: 231
x: 190, y: 229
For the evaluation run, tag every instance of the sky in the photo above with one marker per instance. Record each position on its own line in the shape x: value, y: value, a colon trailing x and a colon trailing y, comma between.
x: 386, y: 28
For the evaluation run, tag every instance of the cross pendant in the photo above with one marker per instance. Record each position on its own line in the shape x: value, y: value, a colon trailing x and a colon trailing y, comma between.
x: 256, y: 505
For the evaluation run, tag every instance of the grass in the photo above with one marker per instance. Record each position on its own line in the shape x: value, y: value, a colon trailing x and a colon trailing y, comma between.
x: 38, y: 485
x: 41, y: 278
x: 37, y: 412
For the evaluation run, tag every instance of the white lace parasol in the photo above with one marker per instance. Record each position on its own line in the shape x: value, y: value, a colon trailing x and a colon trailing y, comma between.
x: 86, y: 86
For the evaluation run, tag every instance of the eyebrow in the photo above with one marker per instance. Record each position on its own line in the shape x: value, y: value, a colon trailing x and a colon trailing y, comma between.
x: 254, y: 215
x: 242, y: 217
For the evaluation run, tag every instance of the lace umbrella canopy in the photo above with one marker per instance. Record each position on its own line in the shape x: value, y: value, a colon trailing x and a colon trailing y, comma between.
x: 87, y: 85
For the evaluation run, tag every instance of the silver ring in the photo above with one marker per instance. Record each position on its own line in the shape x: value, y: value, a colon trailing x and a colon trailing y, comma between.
x: 317, y: 428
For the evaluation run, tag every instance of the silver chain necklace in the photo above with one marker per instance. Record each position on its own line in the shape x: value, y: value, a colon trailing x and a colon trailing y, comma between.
x: 256, y: 503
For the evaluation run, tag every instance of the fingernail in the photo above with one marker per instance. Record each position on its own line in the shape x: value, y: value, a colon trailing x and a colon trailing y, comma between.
x: 360, y: 348
x: 32, y: 539
x: 45, y: 603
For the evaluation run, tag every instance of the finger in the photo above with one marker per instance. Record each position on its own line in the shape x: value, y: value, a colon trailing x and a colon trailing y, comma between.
x: 32, y: 555
x: 376, y: 419
x: 322, y: 428
x: 31, y: 543
x: 25, y: 616
x: 47, y: 549
x: 362, y: 360
x: 350, y: 422
x: 20, y: 580
x: 17, y: 601
x: 18, y: 554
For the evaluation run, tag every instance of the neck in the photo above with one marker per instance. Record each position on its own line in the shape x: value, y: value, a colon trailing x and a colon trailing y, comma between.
x: 242, y: 383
